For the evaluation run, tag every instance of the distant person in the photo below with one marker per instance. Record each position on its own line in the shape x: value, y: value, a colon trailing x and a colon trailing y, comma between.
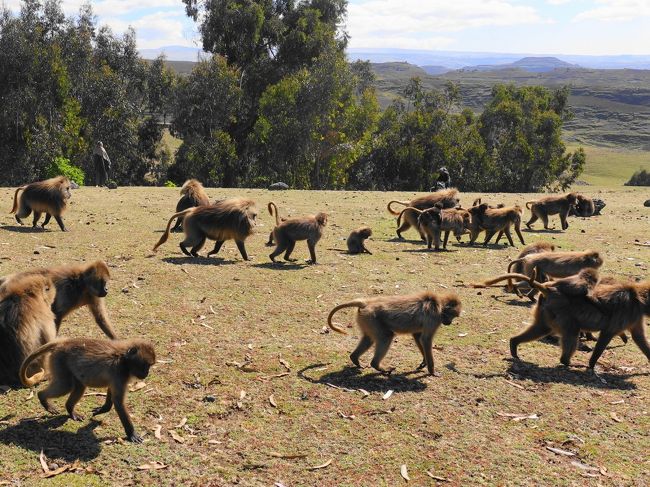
x: 443, y: 181
x: 102, y: 164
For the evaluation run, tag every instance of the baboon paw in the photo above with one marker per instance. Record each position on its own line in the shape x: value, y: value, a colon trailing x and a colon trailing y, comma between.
x: 52, y: 410
x: 435, y: 373
x: 421, y: 366
x: 98, y: 411
x: 135, y: 438
x: 76, y: 417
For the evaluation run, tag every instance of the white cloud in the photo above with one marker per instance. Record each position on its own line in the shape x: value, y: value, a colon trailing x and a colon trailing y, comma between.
x: 557, y: 2
x: 415, y: 23
x: 156, y: 30
x: 616, y: 10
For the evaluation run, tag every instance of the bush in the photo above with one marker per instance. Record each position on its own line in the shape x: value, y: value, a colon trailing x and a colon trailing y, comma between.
x: 639, y: 178
x: 170, y: 184
x: 61, y: 166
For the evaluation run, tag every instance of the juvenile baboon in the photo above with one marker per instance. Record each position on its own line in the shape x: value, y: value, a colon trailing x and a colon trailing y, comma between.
x: 447, y: 198
x: 192, y: 194
x: 273, y: 211
x: 77, y: 363
x: 224, y: 220
x: 584, y: 207
x: 356, y: 240
x: 434, y: 221
x: 76, y: 286
x: 380, y: 318
x: 551, y: 205
x: 308, y: 228
x: 478, y: 201
x: 50, y: 197
x: 610, y: 308
x: 26, y: 322
x: 494, y: 220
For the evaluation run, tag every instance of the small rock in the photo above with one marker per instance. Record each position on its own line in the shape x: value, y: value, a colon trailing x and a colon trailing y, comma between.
x: 278, y: 186
x: 647, y: 203
x: 209, y: 398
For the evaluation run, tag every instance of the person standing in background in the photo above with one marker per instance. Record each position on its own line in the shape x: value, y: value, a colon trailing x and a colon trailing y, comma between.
x: 102, y: 164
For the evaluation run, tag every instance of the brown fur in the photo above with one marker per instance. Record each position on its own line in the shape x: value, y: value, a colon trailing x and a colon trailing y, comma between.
x: 610, y: 308
x: 192, y: 194
x: 380, y: 318
x: 76, y: 286
x: 494, y: 220
x: 355, y: 242
x: 447, y: 198
x: 584, y: 207
x: 26, y: 321
x: 433, y: 222
x: 273, y: 211
x: 226, y: 219
x: 77, y: 363
x: 308, y: 228
x: 50, y: 197
x: 535, y: 248
x: 551, y: 205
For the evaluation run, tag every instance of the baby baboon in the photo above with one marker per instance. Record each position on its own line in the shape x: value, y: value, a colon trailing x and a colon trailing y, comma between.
x: 308, y: 228
x: 356, y: 244
x: 50, y: 197
x: 77, y: 363
x: 273, y: 211
x: 224, y: 220
x: 494, y: 220
x: 380, y: 318
x: 447, y: 198
x: 192, y: 194
x: 26, y: 322
x: 584, y: 207
x: 76, y: 286
x: 551, y: 205
x: 610, y: 308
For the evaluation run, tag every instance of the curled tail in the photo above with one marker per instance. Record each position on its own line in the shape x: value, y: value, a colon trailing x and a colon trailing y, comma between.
x: 529, y: 203
x: 274, y: 208
x: 399, y: 218
x: 165, y: 235
x: 352, y: 304
x: 393, y: 212
x: 521, y: 277
x: 39, y: 376
x: 15, y: 207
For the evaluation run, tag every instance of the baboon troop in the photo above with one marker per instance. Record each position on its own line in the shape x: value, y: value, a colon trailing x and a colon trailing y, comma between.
x: 50, y: 197
x: 447, y: 198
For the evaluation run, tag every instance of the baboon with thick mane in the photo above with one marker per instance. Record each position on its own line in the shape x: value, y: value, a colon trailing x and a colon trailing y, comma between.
x: 50, y: 197
x: 232, y: 218
x: 447, y: 198
x: 192, y: 194
x: 542, y: 208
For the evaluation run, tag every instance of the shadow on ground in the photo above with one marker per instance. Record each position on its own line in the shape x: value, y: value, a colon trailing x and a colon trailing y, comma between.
x: 25, y: 229
x: 216, y: 261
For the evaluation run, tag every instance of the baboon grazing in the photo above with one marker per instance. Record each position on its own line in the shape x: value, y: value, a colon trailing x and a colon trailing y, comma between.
x: 309, y: 228
x: 26, y: 322
x: 192, y: 194
x: 447, y: 198
x: 494, y: 220
x: 273, y: 211
x: 551, y: 205
x: 380, y: 318
x: 76, y: 286
x: 356, y: 240
x: 584, y: 207
x: 232, y: 218
x: 77, y: 363
x: 50, y: 197
x: 610, y: 308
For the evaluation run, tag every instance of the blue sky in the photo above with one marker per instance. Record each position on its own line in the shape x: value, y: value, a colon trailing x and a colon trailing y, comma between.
x: 518, y: 26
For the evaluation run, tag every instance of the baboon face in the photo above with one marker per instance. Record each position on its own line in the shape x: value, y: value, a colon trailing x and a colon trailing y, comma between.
x: 96, y: 280
x: 365, y: 232
x: 595, y: 259
x: 139, y: 360
x: 450, y: 311
x: 430, y: 218
x: 321, y: 218
x: 572, y: 198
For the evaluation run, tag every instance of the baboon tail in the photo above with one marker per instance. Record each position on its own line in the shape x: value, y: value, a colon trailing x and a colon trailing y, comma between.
x: 165, y: 235
x: 503, y: 277
x: 512, y: 263
x: 352, y: 304
x: 273, y: 207
x: 529, y: 203
x: 15, y: 207
x: 393, y: 212
x: 38, y: 376
x: 399, y: 218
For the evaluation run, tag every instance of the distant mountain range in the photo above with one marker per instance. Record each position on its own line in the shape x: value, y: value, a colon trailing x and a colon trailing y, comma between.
x: 439, y: 62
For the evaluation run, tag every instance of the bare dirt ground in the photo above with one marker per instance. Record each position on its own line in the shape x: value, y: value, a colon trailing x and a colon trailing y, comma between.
x: 251, y: 389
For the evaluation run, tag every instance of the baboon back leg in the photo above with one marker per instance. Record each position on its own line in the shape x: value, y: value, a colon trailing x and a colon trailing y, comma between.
x: 569, y: 343
x: 270, y: 242
x: 563, y: 217
x: 24, y: 210
x: 312, y: 250
x: 77, y: 393
x: 444, y: 244
x: 217, y: 248
x: 533, y: 219
x: 195, y: 250
x: 521, y: 237
x: 48, y: 217
x: 178, y: 225
x: 108, y: 404
x: 404, y: 227
x: 537, y: 330
x: 37, y: 216
x: 544, y: 218
x: 287, y: 254
x: 499, y: 236
x: 416, y: 337
x: 364, y: 344
x: 280, y: 247
x: 426, y: 340
x: 638, y: 335
x: 120, y: 408
x: 61, y: 224
x: 603, y: 340
x: 382, y: 345
x: 59, y: 386
x: 509, y: 237
x: 242, y: 249
x: 488, y: 235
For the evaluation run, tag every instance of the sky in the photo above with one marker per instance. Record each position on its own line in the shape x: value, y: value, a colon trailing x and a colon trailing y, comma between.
x: 596, y: 27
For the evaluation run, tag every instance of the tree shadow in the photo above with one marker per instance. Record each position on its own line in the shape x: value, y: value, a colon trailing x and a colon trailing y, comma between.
x: 37, y: 434
x: 25, y: 229
x: 353, y: 378
x: 282, y: 266
x: 215, y: 261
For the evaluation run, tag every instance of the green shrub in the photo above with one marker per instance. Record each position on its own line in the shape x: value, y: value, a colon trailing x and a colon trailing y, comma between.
x: 639, y: 178
x: 61, y: 166
x: 170, y: 184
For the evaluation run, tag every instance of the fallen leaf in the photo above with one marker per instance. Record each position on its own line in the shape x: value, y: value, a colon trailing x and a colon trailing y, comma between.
x: 435, y: 477
x: 289, y: 456
x: 43, y: 459
x: 615, y: 417
x: 53, y: 473
x: 137, y: 386
x: 388, y: 394
x: 242, y: 395
x: 176, y: 436
x: 156, y: 432
x: 518, y: 417
x: 559, y: 451
x: 324, y: 465
x: 618, y: 402
x: 272, y: 401
x: 286, y: 364
x: 182, y: 423
x: 212, y: 310
x: 404, y: 472
x: 364, y: 392
x: 462, y: 334
x: 515, y: 384
x: 583, y: 466
x: 345, y: 416
x: 155, y: 465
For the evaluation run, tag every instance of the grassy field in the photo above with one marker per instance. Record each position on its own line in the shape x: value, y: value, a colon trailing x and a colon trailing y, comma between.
x: 257, y: 392
x: 611, y: 167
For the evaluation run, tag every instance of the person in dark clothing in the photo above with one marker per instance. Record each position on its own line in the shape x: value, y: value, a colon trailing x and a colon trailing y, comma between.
x: 102, y: 164
x: 443, y: 181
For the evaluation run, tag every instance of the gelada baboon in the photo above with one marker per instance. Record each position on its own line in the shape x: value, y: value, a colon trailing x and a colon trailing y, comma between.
x: 50, y: 197
x: 434, y: 221
x: 536, y: 248
x: 76, y: 286
x: 77, y: 363
x: 26, y: 322
x: 380, y: 318
x: 584, y: 207
x: 551, y: 205
x: 273, y: 211
x: 610, y: 308
x: 192, y: 194
x: 356, y: 240
x: 494, y: 220
x: 309, y: 228
x: 224, y: 220
x: 447, y: 198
